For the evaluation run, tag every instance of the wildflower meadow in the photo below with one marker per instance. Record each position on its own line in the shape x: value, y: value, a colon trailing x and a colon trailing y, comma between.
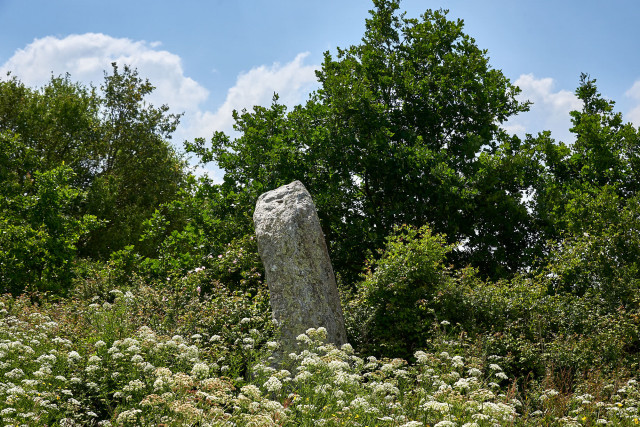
x: 104, y: 362
x: 486, y: 278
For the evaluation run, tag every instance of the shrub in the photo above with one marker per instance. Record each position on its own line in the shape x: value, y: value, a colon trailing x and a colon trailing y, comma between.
x: 389, y: 314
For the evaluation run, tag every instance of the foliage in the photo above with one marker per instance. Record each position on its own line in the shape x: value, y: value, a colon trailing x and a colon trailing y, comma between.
x: 394, y: 135
x: 571, y: 315
x: 40, y: 233
x: 504, y: 271
x: 58, y: 123
x: 112, y: 362
x: 582, y: 186
x: 192, y: 232
x: 139, y: 169
x: 99, y: 357
x: 389, y: 313
x: 114, y: 142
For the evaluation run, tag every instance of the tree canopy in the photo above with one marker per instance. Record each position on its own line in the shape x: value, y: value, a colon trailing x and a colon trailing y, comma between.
x: 73, y: 156
x: 405, y: 129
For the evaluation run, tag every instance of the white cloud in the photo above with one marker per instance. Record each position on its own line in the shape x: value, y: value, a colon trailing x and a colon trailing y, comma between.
x: 292, y: 82
x: 634, y: 114
x: 549, y: 111
x: 87, y: 56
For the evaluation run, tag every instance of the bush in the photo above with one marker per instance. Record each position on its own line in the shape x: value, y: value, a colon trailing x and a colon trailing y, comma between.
x: 389, y: 314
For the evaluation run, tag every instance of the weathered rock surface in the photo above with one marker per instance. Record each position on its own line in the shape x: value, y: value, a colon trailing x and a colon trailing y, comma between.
x: 301, y: 282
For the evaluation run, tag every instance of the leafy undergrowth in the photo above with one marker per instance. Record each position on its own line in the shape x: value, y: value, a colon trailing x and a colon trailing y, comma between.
x: 149, y: 357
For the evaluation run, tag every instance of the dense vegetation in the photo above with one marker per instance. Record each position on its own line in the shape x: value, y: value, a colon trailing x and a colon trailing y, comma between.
x: 486, y: 279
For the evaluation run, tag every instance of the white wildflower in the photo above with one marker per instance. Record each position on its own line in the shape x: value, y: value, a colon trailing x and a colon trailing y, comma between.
x: 499, y: 410
x: 465, y: 383
x: 273, y: 384
x: 384, y: 388
x: 303, y: 376
x: 251, y: 391
x: 130, y: 416
x: 14, y: 374
x: 129, y: 342
x: 200, y: 370
x: 421, y: 357
x: 73, y: 356
x: 435, y: 406
x: 303, y: 338
x: 16, y: 390
x: 319, y: 334
x: 133, y: 386
x: 347, y: 348
x: 360, y: 403
x: 338, y: 365
x: 474, y: 372
x: 457, y: 362
x: 501, y: 375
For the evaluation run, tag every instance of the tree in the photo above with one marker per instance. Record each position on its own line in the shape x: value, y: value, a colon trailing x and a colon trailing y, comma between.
x: 58, y: 123
x: 390, y: 308
x: 395, y: 135
x: 40, y: 224
x: 116, y: 145
x: 138, y: 169
x: 603, y: 164
x: 586, y: 202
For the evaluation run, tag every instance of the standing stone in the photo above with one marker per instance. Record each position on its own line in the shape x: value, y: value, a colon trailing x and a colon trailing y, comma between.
x: 298, y: 270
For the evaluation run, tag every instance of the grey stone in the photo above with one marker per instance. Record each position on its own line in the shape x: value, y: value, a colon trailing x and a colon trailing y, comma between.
x: 299, y: 275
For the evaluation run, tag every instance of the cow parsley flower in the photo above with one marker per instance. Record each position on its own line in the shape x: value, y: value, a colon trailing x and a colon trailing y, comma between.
x: 501, y: 375
x: 200, y: 370
x: 457, y: 361
x: 273, y: 384
x: 421, y: 357
x: 14, y: 374
x: 303, y: 338
x: 251, y: 391
x: 474, y: 372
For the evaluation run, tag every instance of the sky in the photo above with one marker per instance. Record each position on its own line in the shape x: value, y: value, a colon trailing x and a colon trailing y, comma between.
x: 207, y: 58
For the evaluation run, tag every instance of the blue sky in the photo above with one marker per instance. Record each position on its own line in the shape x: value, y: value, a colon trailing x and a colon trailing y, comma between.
x: 208, y: 57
